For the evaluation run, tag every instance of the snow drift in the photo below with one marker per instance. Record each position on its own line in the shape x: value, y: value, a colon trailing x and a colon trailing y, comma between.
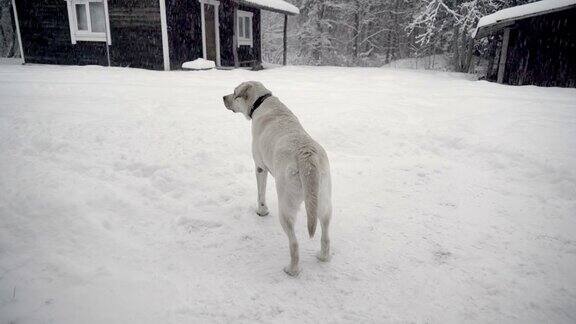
x: 199, y: 64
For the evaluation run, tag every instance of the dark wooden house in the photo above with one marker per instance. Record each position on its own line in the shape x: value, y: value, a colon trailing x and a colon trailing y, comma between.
x: 152, y: 34
x: 535, y: 43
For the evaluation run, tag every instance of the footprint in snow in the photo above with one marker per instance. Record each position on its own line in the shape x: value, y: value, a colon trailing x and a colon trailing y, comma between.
x: 193, y: 225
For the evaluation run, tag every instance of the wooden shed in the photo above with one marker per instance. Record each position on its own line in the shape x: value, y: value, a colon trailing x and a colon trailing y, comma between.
x: 152, y: 34
x: 536, y: 43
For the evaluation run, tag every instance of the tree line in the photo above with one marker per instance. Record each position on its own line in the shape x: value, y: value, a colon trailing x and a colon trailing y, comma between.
x: 376, y: 32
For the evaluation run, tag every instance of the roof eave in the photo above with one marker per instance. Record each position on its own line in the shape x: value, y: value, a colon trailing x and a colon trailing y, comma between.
x: 492, y: 29
x: 252, y: 5
x: 488, y: 30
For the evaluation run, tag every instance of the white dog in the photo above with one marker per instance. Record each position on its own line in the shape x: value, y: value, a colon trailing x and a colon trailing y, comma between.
x: 298, y: 164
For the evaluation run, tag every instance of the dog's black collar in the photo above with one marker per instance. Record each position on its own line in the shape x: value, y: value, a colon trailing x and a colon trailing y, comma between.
x: 258, y: 102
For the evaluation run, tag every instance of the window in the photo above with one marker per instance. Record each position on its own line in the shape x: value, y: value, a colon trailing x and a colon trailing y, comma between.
x: 88, y: 21
x: 244, y: 22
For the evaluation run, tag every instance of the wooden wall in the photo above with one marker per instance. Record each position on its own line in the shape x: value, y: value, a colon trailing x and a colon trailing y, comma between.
x: 542, y: 51
x: 184, y: 31
x: 245, y: 53
x: 134, y: 27
x: 226, y: 17
x: 136, y: 33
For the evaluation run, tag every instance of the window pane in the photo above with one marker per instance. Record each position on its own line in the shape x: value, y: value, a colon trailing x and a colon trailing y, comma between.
x: 247, y: 26
x: 81, y: 19
x: 97, y: 17
x: 241, y: 27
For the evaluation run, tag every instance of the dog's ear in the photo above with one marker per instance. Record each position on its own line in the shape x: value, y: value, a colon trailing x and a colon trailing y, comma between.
x: 242, y: 90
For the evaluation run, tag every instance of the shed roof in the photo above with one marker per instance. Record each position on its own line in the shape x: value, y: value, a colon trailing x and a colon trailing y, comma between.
x: 278, y: 6
x: 506, y: 17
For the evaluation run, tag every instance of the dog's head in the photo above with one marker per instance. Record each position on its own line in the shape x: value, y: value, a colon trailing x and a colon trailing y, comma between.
x: 244, y: 96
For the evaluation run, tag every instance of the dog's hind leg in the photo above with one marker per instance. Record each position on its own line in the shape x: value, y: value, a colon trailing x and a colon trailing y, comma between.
x: 287, y: 222
x: 288, y: 204
x: 324, y: 254
x: 261, y: 177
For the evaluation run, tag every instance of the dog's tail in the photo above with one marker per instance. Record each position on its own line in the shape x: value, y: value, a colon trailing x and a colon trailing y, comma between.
x: 308, y: 167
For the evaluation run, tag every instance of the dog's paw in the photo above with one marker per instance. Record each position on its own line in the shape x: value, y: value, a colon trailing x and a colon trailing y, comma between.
x: 292, y: 272
x: 262, y: 211
x: 323, y: 257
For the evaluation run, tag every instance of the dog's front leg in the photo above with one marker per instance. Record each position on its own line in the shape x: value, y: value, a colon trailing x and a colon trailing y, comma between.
x: 261, y: 177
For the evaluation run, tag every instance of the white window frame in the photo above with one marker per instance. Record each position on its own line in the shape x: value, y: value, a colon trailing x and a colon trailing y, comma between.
x: 87, y: 36
x: 240, y: 15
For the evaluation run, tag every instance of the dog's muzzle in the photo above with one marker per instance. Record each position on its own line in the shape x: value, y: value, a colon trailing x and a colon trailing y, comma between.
x: 227, y: 102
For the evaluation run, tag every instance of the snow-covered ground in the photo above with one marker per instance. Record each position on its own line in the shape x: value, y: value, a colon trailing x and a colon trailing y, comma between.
x: 128, y: 196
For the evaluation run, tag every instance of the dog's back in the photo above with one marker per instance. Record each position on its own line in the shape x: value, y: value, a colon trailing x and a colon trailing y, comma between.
x: 293, y: 158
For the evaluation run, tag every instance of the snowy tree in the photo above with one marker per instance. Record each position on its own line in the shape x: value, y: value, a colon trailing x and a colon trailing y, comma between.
x: 315, y: 35
x: 8, y: 43
x: 272, y: 36
x: 445, y: 26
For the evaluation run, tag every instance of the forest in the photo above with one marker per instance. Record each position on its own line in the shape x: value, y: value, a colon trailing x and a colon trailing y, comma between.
x: 376, y: 32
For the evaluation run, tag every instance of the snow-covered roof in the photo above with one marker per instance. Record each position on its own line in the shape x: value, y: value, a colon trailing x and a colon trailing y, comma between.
x: 502, y: 17
x: 272, y: 5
